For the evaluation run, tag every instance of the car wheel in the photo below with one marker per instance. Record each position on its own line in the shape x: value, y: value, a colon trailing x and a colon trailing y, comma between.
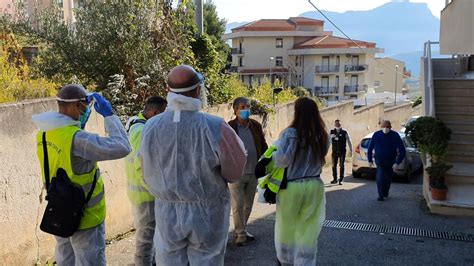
x: 356, y: 175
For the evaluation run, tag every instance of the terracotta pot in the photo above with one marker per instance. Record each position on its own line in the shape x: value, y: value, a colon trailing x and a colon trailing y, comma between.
x: 438, y: 194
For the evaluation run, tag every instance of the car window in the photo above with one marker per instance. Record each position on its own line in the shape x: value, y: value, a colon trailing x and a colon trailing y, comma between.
x: 408, y: 142
x: 365, y: 143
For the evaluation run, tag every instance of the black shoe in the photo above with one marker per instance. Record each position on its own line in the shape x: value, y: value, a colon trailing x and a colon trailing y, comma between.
x: 250, y: 237
x: 380, y: 198
x: 334, y: 182
x: 340, y: 181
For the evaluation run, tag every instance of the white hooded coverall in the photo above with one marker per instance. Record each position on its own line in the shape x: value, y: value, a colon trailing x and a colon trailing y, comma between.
x: 188, y: 159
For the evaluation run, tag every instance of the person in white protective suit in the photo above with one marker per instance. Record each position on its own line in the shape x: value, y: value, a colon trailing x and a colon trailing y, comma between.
x: 188, y: 158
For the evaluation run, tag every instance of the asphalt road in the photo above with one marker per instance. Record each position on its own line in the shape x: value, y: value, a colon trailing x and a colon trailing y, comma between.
x: 354, y: 201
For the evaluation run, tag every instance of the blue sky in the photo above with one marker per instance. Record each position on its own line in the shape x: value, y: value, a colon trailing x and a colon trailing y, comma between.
x: 249, y: 10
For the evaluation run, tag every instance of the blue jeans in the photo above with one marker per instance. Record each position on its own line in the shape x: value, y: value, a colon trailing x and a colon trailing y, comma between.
x: 84, y: 248
x: 384, y: 178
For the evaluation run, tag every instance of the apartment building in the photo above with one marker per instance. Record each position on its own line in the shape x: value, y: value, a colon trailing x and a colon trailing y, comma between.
x: 300, y: 52
x: 65, y: 7
x: 390, y: 75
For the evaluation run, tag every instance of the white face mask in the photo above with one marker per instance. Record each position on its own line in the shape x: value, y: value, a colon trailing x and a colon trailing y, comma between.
x: 386, y: 130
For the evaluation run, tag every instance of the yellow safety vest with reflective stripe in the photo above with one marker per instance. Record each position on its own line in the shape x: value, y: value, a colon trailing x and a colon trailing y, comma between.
x: 137, y: 189
x: 274, y: 175
x: 59, y: 145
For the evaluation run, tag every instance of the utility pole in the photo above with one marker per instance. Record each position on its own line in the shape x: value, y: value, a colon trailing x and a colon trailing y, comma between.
x: 396, y: 80
x: 200, y: 26
x: 199, y: 16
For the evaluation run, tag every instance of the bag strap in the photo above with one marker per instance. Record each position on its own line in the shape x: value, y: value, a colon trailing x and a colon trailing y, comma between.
x: 89, y: 194
x: 136, y: 121
x: 46, y: 162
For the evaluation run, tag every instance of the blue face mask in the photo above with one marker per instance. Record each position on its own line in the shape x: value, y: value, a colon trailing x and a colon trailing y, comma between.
x: 245, y: 114
x: 84, y: 117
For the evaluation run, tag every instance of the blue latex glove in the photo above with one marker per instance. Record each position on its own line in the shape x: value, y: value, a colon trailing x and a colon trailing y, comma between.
x: 102, y: 106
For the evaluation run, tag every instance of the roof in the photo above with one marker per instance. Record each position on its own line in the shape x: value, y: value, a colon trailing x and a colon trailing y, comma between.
x: 329, y: 41
x: 263, y: 70
x: 279, y: 24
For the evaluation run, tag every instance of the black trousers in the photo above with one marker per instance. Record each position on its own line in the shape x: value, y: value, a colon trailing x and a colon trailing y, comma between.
x: 341, y: 157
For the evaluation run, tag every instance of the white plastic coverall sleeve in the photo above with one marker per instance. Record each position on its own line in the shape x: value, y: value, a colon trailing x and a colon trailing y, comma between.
x: 96, y: 148
x: 231, y: 153
x: 183, y: 165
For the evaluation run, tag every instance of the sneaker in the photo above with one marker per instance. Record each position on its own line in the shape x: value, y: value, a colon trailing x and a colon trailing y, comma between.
x: 334, y: 182
x: 340, y: 183
x: 380, y: 198
x: 250, y: 237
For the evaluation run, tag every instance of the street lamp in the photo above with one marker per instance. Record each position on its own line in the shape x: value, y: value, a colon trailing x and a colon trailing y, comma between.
x: 396, y: 80
x: 270, y: 60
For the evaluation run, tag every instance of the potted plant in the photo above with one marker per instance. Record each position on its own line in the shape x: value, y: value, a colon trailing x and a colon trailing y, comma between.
x: 437, y: 173
x: 432, y: 137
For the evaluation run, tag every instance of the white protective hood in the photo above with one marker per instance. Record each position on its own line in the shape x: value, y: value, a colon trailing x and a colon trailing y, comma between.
x: 178, y: 103
x: 51, y: 120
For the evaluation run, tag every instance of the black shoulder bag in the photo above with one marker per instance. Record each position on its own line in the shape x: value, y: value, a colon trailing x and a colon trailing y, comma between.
x: 66, y: 201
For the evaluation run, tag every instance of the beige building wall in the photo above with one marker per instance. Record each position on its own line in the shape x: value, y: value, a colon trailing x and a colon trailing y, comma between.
x: 258, y: 50
x: 457, y: 31
x: 67, y: 10
x: 384, y: 73
x: 7, y: 6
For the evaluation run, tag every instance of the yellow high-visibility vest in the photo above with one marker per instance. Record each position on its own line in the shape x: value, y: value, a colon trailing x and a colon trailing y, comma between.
x: 59, y: 145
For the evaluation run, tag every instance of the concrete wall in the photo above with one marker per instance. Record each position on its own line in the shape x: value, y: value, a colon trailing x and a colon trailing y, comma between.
x: 457, y: 33
x: 21, y: 186
x: 20, y: 173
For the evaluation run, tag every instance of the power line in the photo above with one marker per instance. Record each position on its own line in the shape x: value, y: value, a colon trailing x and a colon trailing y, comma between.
x: 363, y: 49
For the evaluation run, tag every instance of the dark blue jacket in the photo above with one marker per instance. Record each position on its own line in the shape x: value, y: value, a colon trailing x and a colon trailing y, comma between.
x: 387, y: 147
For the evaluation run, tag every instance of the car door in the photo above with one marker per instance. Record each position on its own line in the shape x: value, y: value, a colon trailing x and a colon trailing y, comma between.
x: 412, y: 154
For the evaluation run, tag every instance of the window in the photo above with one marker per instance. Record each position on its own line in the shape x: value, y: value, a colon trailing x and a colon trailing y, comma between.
x: 279, y: 43
x: 279, y: 61
x: 297, y: 59
x: 241, y: 61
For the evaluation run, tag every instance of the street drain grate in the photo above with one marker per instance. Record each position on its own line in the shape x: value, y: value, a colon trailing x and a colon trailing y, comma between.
x: 397, y: 230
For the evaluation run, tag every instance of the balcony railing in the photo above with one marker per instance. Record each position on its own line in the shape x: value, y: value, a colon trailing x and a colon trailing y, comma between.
x: 357, y: 68
x: 236, y: 51
x: 355, y: 88
x: 326, y: 90
x: 234, y: 69
x: 327, y: 69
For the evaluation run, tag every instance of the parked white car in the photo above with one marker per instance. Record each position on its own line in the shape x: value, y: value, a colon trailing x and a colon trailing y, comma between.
x: 411, y: 164
x: 404, y: 125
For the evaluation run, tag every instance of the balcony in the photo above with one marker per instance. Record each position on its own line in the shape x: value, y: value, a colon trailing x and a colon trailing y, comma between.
x: 234, y: 69
x: 327, y: 69
x: 357, y: 68
x: 355, y: 88
x: 238, y: 51
x: 326, y: 90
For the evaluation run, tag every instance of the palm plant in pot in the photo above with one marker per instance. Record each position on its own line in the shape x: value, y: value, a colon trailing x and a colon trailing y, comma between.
x: 432, y: 136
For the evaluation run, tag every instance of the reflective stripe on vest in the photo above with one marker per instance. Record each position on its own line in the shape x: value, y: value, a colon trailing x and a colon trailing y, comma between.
x: 274, y: 175
x: 59, y: 144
